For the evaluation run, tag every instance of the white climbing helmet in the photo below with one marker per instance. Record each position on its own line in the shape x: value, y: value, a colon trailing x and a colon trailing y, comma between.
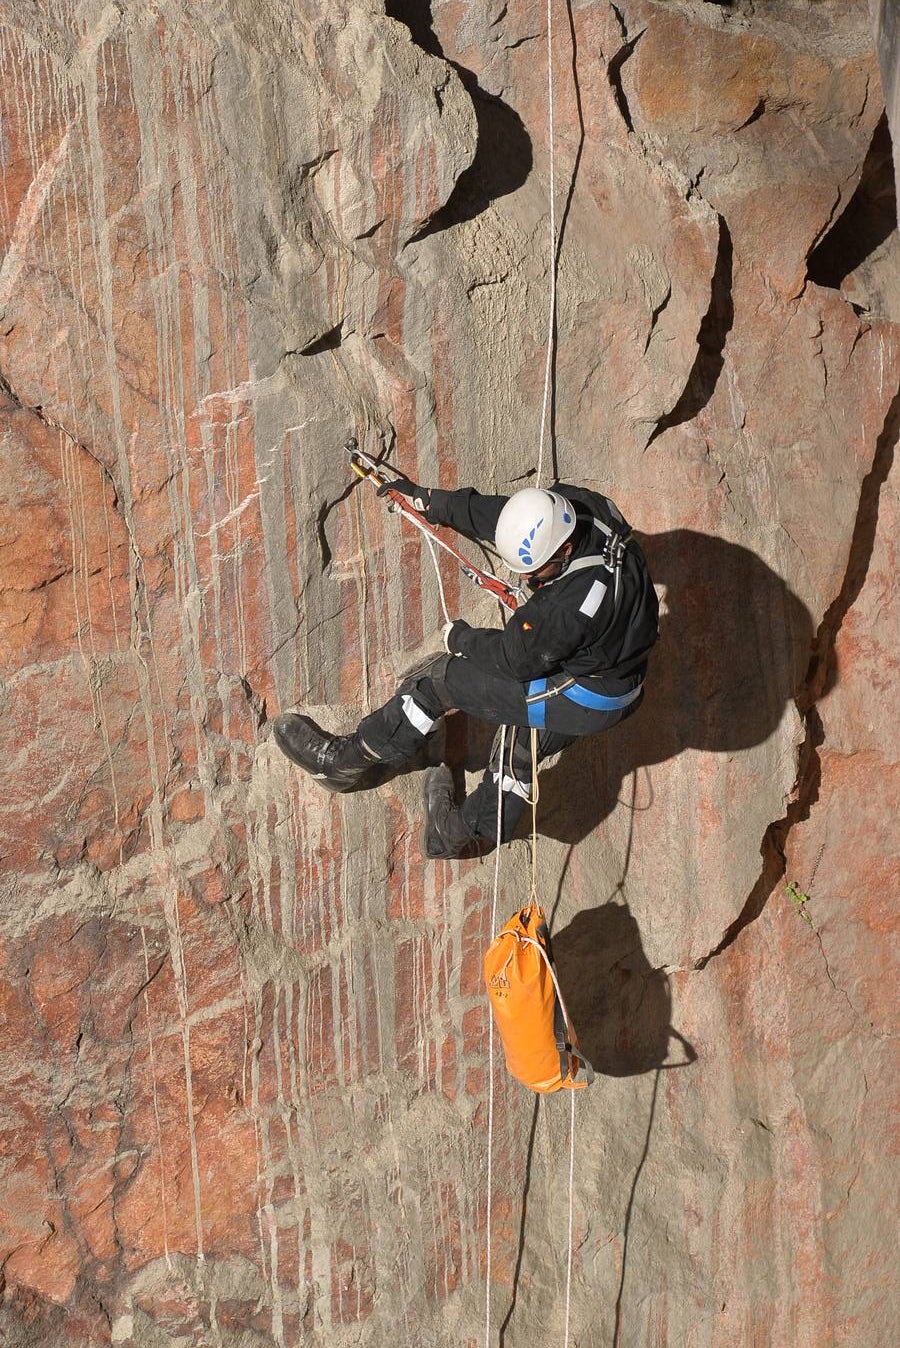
x: 532, y: 525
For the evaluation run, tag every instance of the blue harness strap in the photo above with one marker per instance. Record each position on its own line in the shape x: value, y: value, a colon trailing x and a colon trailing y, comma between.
x: 537, y: 711
x: 538, y: 695
x: 598, y: 701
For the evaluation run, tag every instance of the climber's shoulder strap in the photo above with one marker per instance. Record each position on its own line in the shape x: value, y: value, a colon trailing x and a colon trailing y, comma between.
x: 586, y: 563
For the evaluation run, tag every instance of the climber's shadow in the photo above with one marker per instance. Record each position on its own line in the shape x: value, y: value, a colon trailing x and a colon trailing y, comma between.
x: 620, y: 1006
x: 734, y: 647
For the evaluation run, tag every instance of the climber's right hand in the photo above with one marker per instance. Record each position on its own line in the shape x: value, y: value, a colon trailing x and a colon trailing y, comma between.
x: 419, y: 496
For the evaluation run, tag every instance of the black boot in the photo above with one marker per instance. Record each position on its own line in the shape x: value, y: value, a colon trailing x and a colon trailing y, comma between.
x: 447, y: 835
x: 337, y: 762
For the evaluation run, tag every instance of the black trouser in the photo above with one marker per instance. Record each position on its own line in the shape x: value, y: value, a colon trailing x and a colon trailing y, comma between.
x: 398, y: 730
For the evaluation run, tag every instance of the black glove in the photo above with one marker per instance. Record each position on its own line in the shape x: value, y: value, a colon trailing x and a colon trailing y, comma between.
x: 419, y: 496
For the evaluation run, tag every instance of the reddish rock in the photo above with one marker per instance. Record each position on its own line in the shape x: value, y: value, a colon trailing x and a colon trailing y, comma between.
x: 243, y: 1089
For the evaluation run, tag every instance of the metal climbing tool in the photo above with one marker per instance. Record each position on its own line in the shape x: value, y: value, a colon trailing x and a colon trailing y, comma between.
x: 364, y: 466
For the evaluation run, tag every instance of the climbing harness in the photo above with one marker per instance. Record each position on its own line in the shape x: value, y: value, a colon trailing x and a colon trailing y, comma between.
x: 366, y: 467
x: 541, y: 690
x: 612, y: 559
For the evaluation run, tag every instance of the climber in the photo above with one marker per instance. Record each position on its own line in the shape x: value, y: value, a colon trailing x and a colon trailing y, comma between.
x: 570, y: 661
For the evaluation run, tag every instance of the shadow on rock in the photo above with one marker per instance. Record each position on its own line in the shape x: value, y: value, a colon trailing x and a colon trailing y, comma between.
x: 620, y: 1006
x: 733, y: 652
x: 503, y: 155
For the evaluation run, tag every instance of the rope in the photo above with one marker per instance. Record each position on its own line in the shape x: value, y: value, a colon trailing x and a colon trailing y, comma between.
x: 364, y: 599
x: 551, y: 329
x: 430, y: 540
x: 527, y: 940
x: 535, y: 796
x: 490, y: 1169
x: 437, y: 571
x: 551, y: 323
x: 548, y: 379
x: 472, y: 572
x: 571, y: 1212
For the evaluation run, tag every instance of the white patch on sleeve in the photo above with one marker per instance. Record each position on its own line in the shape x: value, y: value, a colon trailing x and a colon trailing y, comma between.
x: 416, y: 716
x: 593, y: 599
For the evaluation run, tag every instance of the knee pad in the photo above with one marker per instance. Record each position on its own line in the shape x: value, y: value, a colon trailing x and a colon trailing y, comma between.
x: 429, y: 679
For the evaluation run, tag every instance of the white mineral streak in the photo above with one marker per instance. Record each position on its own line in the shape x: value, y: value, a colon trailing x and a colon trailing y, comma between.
x: 210, y: 192
x: 29, y: 214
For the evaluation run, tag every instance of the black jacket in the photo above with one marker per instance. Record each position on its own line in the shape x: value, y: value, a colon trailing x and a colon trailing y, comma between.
x: 573, y: 625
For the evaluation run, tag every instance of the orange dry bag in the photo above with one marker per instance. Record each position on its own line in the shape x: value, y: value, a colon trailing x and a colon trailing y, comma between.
x: 538, y: 1039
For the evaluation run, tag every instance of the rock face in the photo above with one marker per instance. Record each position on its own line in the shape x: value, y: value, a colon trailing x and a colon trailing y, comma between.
x: 243, y: 1085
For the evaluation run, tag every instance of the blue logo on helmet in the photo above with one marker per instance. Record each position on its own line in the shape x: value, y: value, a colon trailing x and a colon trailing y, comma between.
x: 525, y: 545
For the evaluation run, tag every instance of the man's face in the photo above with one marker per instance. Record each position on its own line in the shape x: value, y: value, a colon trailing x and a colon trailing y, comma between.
x: 551, y: 569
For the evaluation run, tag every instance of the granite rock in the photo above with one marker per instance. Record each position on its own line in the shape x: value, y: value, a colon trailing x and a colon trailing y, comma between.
x: 243, y: 1089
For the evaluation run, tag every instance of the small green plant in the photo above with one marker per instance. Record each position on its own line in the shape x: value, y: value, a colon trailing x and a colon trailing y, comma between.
x: 799, y: 899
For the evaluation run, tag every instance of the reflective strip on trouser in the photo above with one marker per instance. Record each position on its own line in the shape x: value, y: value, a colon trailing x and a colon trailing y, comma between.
x: 513, y: 778
x: 397, y: 731
x: 416, y: 716
x: 510, y: 784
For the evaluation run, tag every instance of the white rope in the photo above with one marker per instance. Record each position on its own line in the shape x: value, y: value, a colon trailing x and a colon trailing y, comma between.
x: 437, y: 571
x: 490, y: 1165
x: 571, y: 1212
x: 548, y: 374
x: 528, y: 940
x: 551, y: 324
x: 413, y: 519
x: 430, y: 540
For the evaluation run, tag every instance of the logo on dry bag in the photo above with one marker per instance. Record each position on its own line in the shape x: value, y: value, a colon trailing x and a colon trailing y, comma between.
x: 499, y: 984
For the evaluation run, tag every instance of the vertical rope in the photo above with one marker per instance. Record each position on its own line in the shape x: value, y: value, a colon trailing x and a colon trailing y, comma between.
x: 571, y: 1212
x: 494, y: 900
x: 535, y: 793
x: 551, y: 323
x: 490, y: 1165
x: 545, y: 410
x: 364, y: 599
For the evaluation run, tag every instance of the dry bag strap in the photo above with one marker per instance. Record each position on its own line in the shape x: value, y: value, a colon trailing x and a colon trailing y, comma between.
x: 565, y: 1046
